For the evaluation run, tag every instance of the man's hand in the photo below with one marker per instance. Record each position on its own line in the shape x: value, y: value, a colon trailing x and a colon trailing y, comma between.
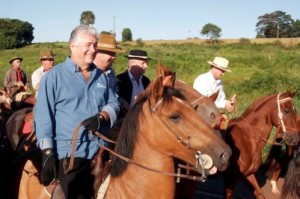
x: 230, y: 105
x: 49, y: 166
x: 93, y: 123
x: 233, y: 99
x: 20, y: 84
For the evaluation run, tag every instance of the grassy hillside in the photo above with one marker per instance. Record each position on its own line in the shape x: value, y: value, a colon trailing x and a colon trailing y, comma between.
x: 258, y: 69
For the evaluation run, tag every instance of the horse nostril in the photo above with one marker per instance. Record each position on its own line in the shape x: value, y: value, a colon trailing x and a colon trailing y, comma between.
x: 224, y: 157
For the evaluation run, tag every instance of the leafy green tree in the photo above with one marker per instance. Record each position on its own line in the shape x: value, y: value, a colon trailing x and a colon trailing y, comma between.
x: 211, y: 31
x: 15, y: 33
x: 87, y: 18
x: 295, y: 32
x: 126, y: 35
x: 105, y: 32
x: 275, y: 25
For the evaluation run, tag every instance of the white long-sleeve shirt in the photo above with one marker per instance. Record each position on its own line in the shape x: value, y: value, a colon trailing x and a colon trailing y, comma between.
x: 207, y: 85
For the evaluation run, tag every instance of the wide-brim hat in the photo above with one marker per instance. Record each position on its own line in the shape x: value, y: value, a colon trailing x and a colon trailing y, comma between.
x: 46, y: 54
x: 15, y: 58
x: 221, y: 63
x: 138, y: 54
x: 107, y: 42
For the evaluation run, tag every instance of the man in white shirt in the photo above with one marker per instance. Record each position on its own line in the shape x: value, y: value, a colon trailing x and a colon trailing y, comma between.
x: 211, y: 82
x: 47, y: 62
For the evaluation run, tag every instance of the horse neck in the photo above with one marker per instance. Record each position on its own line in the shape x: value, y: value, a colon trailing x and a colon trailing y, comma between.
x: 262, y: 121
x: 145, y: 183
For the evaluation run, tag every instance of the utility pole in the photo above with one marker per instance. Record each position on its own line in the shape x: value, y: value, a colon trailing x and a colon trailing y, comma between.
x: 277, y: 36
x: 114, y: 25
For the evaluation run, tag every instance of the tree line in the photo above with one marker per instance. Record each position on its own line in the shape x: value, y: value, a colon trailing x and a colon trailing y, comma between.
x: 15, y: 33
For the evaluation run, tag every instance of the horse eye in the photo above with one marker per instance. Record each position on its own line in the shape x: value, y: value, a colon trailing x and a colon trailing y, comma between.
x: 196, y: 107
x: 286, y: 110
x: 213, y: 116
x: 175, y: 117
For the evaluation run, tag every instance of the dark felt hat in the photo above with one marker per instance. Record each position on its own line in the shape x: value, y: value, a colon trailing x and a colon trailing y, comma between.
x: 138, y: 54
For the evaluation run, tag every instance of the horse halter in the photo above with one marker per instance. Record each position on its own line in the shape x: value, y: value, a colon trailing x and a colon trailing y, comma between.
x: 281, y: 121
x: 280, y: 117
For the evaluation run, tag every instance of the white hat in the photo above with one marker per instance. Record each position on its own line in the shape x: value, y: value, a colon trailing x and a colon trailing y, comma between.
x: 221, y: 63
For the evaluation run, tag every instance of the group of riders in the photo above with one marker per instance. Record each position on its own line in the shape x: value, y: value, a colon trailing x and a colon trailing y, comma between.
x: 85, y: 90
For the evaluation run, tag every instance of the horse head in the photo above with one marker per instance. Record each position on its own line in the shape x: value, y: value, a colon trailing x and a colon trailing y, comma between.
x: 183, y: 132
x: 287, y: 124
x: 205, y: 106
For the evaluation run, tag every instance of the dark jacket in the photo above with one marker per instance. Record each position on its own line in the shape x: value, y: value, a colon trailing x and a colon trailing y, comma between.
x: 125, y: 85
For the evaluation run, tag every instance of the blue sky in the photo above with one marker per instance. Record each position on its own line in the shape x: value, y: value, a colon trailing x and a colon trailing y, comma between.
x: 147, y: 19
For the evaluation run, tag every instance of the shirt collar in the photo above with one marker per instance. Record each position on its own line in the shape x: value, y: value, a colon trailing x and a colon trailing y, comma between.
x: 132, y: 78
x: 75, y: 68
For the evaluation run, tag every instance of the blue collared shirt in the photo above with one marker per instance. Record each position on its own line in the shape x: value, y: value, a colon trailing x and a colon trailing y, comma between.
x: 65, y: 99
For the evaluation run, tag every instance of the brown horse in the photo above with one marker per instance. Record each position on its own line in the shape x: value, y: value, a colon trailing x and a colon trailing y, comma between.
x: 206, y: 108
x: 204, y: 105
x: 161, y: 125
x: 281, y: 161
x: 248, y: 134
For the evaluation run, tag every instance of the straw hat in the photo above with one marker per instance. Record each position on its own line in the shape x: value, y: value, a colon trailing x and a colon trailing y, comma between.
x: 221, y: 63
x: 138, y: 54
x: 46, y: 54
x: 15, y: 58
x: 108, y: 42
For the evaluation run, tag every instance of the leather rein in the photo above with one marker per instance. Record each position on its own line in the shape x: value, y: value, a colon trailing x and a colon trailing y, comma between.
x: 69, y: 161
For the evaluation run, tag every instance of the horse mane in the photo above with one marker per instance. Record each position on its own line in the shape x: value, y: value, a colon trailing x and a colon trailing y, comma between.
x: 129, y: 130
x: 258, y: 104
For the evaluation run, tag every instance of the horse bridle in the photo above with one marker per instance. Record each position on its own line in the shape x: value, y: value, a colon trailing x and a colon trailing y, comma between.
x: 202, y: 160
x: 281, y: 122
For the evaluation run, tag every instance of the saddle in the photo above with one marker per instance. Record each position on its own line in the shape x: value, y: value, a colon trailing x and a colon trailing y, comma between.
x: 30, y: 181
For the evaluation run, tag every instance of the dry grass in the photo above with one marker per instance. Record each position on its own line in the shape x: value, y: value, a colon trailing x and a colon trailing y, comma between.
x: 289, y: 42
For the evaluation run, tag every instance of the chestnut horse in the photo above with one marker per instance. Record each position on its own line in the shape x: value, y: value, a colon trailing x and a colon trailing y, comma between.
x: 206, y: 108
x: 248, y: 134
x: 161, y: 125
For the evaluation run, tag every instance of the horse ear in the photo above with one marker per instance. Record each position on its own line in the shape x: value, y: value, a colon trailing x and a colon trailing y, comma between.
x: 160, y: 70
x: 289, y: 94
x: 169, y: 80
x: 173, y: 78
x: 292, y: 94
x: 214, y: 96
x: 157, y: 90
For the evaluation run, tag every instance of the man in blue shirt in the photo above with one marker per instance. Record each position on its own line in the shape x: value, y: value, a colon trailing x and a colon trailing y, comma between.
x: 74, y: 92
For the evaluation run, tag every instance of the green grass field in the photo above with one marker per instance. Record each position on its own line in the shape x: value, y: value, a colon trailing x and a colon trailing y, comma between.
x: 258, y: 69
